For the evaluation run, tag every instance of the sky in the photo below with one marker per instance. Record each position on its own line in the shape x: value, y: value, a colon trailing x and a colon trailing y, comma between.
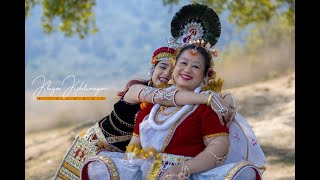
x: 129, y: 32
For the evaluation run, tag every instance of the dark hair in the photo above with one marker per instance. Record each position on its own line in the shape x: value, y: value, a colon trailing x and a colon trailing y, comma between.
x: 201, y: 50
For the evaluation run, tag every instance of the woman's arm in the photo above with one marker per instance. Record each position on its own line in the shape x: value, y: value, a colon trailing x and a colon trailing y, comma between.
x: 215, y: 153
x: 137, y: 91
x: 134, y: 140
x: 224, y: 107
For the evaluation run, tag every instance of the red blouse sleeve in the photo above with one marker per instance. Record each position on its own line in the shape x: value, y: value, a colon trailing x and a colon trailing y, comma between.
x: 143, y: 113
x: 210, y: 124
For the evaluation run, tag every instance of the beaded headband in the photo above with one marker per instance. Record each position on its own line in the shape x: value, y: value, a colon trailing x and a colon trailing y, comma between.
x: 160, y: 54
x: 163, y: 53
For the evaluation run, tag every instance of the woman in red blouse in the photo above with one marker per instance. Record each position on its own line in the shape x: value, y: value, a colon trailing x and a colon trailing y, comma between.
x: 178, y: 142
x: 150, y: 94
x: 194, y: 133
x: 181, y: 142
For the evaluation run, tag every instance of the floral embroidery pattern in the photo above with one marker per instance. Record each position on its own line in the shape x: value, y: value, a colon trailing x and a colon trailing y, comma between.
x: 254, y: 142
x: 236, y: 136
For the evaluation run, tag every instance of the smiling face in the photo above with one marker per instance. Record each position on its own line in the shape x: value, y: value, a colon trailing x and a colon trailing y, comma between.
x: 162, y: 72
x: 189, y: 70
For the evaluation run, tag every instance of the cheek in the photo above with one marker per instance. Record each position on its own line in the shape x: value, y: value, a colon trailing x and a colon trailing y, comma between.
x: 155, y: 75
x: 200, y: 75
x: 175, y: 73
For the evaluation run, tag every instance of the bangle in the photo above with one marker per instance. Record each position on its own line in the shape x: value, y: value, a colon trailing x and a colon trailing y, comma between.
x: 209, y: 99
x: 168, y: 176
x: 174, y: 96
x: 138, y: 96
x: 218, y: 159
x: 155, y: 92
x: 185, y: 172
x: 146, y: 91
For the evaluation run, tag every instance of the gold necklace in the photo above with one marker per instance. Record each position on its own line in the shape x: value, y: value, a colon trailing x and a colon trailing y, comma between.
x: 160, y: 122
x: 156, y: 120
x: 162, y: 110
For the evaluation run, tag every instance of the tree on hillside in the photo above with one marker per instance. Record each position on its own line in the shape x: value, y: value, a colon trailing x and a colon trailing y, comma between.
x: 77, y: 17
x: 245, y: 12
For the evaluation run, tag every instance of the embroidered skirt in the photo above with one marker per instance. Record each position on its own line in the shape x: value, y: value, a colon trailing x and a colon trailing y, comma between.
x: 113, y: 166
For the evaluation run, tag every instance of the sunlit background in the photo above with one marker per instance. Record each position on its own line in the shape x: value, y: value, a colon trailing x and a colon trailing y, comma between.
x: 103, y: 44
x: 127, y: 33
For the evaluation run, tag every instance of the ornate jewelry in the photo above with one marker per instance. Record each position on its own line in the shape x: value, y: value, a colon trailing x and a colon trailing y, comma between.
x: 136, y: 116
x: 194, y: 51
x: 162, y: 110
x: 196, y: 21
x: 154, y: 94
x: 185, y: 171
x: 170, y: 176
x: 138, y: 96
x: 174, y: 98
x: 198, y: 25
x: 161, y: 54
x: 174, y: 118
x: 223, y: 111
x: 219, y: 159
x: 157, y: 121
x: 147, y: 90
x: 164, y: 95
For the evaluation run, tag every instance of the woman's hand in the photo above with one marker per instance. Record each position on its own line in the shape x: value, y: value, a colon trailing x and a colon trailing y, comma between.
x: 174, y: 172
x: 224, y: 106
